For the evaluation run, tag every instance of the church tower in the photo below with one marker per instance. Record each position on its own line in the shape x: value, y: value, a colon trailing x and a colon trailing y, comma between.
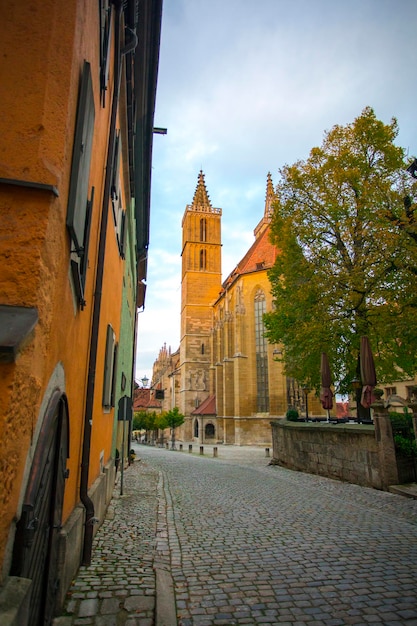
x: 200, y: 287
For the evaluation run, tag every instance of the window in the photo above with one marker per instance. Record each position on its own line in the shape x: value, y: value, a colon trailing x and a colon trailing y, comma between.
x: 109, y: 368
x: 261, y: 346
x: 390, y: 391
x: 411, y: 392
x: 203, y: 229
x: 119, y: 215
x: 79, y: 206
x: 202, y: 348
x: 105, y: 40
x: 79, y: 261
x: 115, y: 177
x: 203, y: 259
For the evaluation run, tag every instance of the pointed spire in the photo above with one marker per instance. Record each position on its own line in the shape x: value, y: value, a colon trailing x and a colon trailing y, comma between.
x: 269, y: 198
x: 201, y: 200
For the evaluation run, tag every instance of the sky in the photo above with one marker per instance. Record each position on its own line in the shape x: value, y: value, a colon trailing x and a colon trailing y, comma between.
x: 244, y: 88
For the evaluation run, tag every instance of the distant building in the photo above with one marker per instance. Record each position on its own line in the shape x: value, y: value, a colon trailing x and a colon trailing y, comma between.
x: 227, y: 380
x: 145, y: 400
x: 77, y: 107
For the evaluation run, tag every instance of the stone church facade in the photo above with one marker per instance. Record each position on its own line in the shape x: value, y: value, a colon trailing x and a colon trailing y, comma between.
x: 226, y: 378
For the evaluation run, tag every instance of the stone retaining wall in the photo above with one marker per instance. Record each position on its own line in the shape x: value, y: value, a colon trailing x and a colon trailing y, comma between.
x: 348, y: 452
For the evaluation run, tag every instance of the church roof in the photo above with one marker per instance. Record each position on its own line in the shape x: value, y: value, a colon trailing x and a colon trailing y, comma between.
x: 261, y: 255
x: 207, y: 407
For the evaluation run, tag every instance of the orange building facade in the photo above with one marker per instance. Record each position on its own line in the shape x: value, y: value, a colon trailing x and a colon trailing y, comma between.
x: 78, y: 92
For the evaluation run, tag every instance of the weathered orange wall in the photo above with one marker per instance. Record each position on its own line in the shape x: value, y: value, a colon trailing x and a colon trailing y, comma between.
x: 43, y: 47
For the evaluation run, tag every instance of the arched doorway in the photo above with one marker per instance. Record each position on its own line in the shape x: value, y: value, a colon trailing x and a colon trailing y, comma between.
x: 35, y: 552
x: 209, y: 431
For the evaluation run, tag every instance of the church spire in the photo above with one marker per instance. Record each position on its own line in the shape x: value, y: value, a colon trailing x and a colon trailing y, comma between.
x: 201, y: 200
x: 270, y: 197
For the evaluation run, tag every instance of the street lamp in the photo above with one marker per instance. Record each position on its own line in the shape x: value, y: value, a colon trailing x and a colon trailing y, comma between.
x: 145, y: 381
x: 306, y: 391
x: 357, y: 386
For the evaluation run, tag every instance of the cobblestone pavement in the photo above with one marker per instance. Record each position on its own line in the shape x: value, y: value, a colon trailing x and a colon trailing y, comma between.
x: 118, y: 588
x: 250, y: 543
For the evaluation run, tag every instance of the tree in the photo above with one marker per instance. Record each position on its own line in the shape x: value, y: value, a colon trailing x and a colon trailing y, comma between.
x: 161, y: 424
x: 144, y: 420
x: 345, y: 223
x: 173, y: 419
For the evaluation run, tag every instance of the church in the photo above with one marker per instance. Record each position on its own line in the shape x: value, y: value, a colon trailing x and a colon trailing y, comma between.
x: 226, y: 379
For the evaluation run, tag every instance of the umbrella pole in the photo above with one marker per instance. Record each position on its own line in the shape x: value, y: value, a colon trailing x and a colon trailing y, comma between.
x: 328, y: 415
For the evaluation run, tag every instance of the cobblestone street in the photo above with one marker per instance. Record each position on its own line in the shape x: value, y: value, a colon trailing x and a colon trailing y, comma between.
x: 246, y: 543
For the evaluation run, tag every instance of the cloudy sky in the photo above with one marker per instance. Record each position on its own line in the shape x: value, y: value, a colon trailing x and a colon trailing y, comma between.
x: 245, y: 87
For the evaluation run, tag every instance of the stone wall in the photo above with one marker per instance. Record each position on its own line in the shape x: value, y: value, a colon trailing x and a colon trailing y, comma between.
x: 347, y: 452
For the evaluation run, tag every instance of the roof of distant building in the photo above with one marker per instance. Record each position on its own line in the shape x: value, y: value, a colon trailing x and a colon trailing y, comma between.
x: 144, y: 400
x: 207, y: 407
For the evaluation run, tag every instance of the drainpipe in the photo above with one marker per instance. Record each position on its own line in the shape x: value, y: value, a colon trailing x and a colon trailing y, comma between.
x: 90, y: 519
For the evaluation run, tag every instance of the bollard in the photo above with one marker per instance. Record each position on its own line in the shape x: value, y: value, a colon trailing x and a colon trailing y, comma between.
x: 201, y: 450
x: 215, y: 451
x: 180, y: 447
x: 190, y: 447
x: 267, y: 453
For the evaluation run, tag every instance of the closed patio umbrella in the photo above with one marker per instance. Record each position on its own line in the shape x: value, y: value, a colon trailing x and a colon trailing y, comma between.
x: 326, y: 394
x: 368, y: 374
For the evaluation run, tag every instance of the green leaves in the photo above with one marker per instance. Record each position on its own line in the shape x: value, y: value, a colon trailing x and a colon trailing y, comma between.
x: 174, y: 418
x: 348, y: 262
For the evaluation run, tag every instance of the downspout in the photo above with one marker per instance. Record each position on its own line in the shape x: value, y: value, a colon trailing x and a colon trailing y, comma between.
x: 88, y: 417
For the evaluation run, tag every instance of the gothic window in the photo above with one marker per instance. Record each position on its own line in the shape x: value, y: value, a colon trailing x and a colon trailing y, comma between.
x: 203, y: 259
x: 261, y: 344
x: 203, y: 229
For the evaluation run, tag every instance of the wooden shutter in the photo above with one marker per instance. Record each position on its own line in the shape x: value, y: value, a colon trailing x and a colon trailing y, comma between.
x: 81, y: 157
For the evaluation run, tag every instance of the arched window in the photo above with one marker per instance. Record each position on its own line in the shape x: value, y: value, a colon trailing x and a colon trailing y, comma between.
x: 203, y: 229
x: 203, y: 259
x: 261, y: 344
x: 202, y: 348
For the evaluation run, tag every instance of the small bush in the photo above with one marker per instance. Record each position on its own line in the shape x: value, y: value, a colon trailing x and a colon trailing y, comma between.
x: 292, y: 415
x: 404, y: 438
x: 406, y: 446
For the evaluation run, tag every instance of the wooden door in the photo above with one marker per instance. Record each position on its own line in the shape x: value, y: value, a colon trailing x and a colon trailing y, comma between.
x: 35, y: 554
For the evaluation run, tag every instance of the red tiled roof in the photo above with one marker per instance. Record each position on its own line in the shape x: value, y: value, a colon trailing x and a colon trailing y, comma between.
x: 261, y: 251
x: 342, y: 409
x: 143, y: 400
x: 261, y: 255
x: 207, y: 407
